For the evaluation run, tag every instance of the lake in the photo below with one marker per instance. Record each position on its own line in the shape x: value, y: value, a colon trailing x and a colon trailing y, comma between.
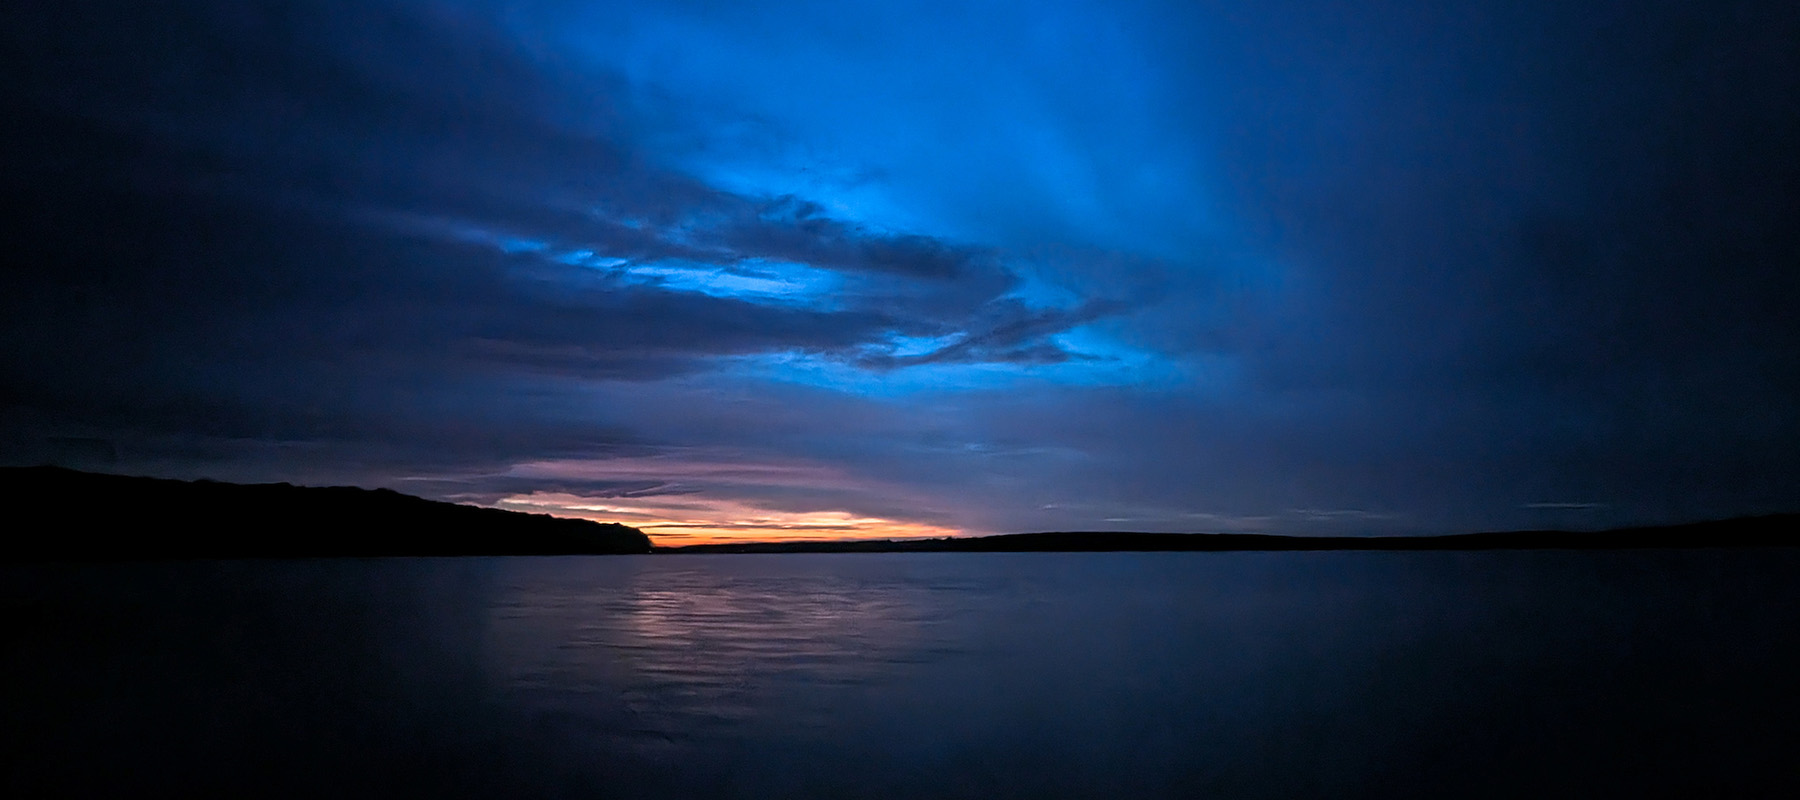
x: 941, y: 675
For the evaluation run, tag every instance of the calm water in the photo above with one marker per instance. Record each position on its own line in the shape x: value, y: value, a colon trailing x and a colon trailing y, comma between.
x: 910, y: 675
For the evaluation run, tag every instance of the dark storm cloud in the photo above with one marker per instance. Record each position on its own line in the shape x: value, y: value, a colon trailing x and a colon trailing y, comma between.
x: 1547, y: 195
x: 793, y: 229
x: 292, y: 221
x: 1529, y: 245
x: 1007, y: 331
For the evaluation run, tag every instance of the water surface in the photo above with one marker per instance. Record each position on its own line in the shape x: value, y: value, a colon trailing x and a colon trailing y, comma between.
x: 910, y: 675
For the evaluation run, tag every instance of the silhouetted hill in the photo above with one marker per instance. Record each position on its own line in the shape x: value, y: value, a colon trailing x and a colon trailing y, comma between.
x: 1778, y: 530
x: 82, y: 515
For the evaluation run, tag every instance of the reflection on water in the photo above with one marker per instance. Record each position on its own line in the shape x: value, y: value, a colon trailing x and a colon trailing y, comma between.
x: 908, y: 675
x: 690, y: 656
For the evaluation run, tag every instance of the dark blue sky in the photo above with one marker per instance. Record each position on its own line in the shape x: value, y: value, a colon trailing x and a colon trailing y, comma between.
x: 833, y: 269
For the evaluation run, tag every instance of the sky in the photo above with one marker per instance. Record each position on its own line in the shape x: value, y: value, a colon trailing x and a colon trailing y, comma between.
x: 894, y: 269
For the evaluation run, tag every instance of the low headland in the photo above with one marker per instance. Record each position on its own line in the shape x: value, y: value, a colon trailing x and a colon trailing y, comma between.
x: 85, y: 516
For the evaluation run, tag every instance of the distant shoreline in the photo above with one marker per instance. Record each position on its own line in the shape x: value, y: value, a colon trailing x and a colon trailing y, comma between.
x: 1777, y: 530
x: 99, y: 517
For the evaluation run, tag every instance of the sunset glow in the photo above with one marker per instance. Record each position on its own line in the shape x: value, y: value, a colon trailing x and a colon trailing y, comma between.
x: 711, y: 496
x: 691, y: 520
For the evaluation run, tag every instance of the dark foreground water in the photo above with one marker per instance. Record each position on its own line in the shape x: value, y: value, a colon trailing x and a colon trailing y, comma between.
x: 909, y: 675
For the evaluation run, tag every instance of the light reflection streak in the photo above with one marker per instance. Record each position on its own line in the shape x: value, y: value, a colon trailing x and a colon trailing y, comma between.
x: 674, y: 657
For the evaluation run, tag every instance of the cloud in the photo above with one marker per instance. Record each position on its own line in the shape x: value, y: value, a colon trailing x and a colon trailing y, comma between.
x: 293, y: 220
x: 1008, y: 332
x: 788, y: 228
x: 1245, y: 262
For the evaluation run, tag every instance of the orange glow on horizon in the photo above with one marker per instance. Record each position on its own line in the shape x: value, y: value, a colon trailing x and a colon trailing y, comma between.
x: 688, y: 519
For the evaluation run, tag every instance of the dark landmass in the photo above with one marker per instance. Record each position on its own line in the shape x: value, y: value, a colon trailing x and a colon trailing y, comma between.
x: 1777, y: 530
x: 93, y: 517
x: 88, y: 516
